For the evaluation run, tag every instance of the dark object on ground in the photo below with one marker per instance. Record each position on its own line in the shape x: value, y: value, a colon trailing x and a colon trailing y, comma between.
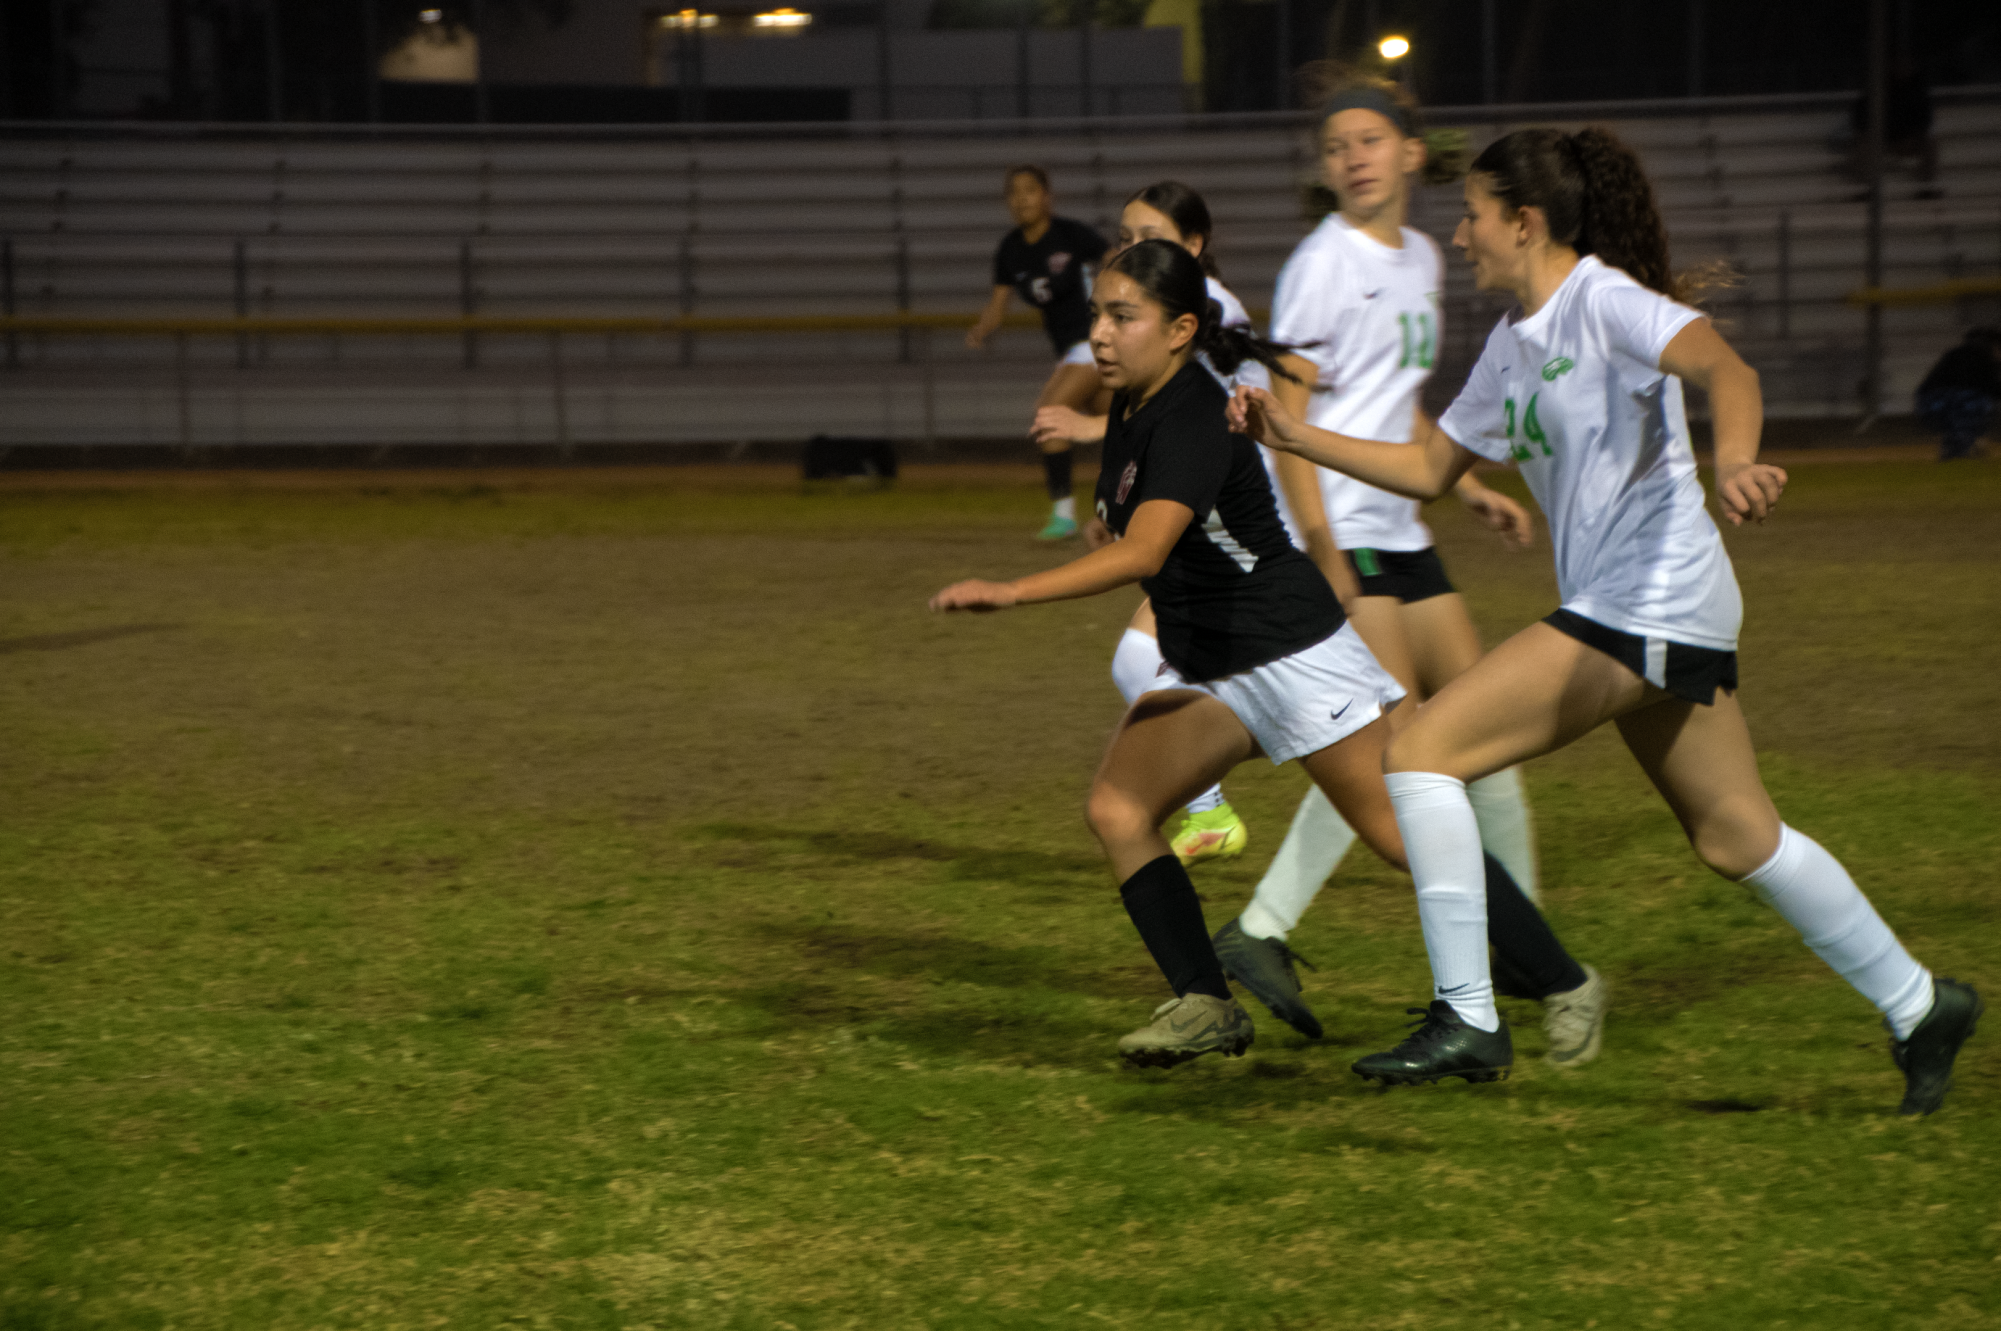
x: 830, y: 458
x: 1958, y: 397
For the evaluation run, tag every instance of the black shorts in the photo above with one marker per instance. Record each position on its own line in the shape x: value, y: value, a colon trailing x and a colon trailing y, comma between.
x: 1694, y: 673
x: 1408, y: 575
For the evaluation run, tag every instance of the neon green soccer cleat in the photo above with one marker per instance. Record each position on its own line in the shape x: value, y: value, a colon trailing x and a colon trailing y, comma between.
x: 1215, y: 835
x: 1058, y: 528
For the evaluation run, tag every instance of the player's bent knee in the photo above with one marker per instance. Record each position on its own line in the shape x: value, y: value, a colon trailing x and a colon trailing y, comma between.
x: 1735, y: 838
x: 1114, y: 816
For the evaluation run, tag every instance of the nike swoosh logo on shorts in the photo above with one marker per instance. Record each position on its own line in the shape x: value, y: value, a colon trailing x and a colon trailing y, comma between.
x: 1344, y: 707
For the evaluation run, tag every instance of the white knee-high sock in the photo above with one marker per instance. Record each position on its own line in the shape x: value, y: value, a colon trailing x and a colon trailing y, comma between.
x: 1506, y: 830
x: 1441, y: 838
x: 1134, y: 666
x: 1808, y: 886
x: 1314, y: 844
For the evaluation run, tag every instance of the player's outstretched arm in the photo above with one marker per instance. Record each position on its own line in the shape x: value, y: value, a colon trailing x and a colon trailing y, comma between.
x: 1745, y: 487
x: 1155, y: 526
x: 1066, y: 424
x: 990, y: 318
x: 1425, y: 471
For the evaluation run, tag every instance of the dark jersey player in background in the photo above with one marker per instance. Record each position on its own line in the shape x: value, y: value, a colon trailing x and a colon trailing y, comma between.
x: 1047, y: 261
x: 1258, y: 658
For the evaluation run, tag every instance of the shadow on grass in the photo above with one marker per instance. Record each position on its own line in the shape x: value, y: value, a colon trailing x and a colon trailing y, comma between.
x: 56, y: 642
x: 967, y: 862
x: 947, y: 959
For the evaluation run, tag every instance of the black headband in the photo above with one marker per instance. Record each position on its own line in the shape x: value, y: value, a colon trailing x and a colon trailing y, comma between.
x: 1369, y: 99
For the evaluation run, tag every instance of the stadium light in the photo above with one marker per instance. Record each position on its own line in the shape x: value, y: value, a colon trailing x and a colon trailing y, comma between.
x: 781, y: 18
x: 689, y: 18
x: 432, y: 16
x: 1394, y: 48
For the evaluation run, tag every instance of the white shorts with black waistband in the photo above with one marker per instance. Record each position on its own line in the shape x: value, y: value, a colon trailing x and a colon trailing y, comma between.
x: 1078, y: 354
x: 1300, y: 704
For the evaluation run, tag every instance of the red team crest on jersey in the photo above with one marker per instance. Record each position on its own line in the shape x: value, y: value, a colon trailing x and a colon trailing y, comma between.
x: 1057, y: 263
x: 1126, y: 480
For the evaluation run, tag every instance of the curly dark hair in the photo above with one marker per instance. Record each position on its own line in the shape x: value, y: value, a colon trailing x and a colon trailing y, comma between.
x: 1594, y: 192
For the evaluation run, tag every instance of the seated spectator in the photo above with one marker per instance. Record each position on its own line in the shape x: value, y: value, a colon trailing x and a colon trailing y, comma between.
x: 1958, y: 397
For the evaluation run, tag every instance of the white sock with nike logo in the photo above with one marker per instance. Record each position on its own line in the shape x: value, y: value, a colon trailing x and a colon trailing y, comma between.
x: 1441, y: 838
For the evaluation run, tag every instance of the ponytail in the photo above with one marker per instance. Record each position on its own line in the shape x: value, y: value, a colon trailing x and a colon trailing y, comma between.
x: 1622, y: 224
x: 1593, y: 192
x: 1172, y: 278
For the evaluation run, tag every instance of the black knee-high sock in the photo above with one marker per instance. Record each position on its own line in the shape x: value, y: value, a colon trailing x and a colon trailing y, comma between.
x: 1056, y: 471
x: 1162, y: 902
x: 1530, y: 963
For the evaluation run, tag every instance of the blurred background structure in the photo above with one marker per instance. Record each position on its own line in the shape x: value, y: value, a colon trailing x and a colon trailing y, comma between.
x: 628, y: 223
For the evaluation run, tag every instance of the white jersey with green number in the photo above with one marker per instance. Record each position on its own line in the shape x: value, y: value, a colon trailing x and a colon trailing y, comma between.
x: 1367, y: 316
x: 1574, y: 393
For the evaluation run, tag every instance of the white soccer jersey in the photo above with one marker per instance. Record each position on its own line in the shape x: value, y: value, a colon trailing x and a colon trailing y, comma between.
x: 1367, y: 316
x: 1234, y: 316
x: 1575, y: 394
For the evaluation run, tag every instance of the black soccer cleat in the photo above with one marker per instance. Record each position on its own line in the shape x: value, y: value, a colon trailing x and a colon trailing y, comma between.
x: 1926, y: 1058
x: 1443, y: 1045
x: 1265, y: 967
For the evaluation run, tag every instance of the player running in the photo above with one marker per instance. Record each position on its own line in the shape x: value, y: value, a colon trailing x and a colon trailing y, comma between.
x: 1258, y: 657
x: 1047, y: 259
x: 1581, y: 386
x: 1170, y: 211
x: 1359, y: 298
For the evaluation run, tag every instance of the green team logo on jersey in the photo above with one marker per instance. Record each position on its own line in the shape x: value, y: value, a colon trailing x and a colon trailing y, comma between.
x: 1561, y: 365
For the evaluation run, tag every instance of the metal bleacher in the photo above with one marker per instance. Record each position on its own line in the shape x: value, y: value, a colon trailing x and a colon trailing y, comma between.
x: 172, y: 222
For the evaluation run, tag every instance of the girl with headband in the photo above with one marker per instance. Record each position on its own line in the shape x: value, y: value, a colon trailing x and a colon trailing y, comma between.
x: 1359, y: 300
x: 1580, y: 384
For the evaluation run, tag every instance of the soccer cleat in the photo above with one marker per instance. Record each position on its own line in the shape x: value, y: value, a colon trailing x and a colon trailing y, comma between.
x: 1214, y: 834
x: 1264, y: 966
x: 1441, y: 1046
x: 1058, y: 528
x: 1189, y: 1027
x: 1574, y: 1020
x: 1926, y: 1058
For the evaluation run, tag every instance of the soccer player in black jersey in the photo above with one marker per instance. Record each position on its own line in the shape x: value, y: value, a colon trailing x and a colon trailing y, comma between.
x: 1047, y: 260
x: 1258, y: 657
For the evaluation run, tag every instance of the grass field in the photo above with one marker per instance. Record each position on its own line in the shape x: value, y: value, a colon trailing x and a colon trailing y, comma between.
x: 626, y: 908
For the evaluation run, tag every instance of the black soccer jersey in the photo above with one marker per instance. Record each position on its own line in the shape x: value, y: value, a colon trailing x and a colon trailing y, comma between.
x: 1235, y: 592
x: 1050, y: 276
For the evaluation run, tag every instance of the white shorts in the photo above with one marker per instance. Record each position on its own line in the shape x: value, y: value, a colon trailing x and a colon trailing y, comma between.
x: 1300, y: 704
x: 1078, y: 354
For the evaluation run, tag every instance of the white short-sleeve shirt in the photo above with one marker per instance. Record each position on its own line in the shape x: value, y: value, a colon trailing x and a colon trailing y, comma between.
x: 1574, y: 393
x: 1368, y: 316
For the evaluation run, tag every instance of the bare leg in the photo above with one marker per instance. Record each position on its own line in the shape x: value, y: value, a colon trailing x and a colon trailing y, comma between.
x: 1700, y: 759
x: 1535, y: 692
x: 1172, y: 745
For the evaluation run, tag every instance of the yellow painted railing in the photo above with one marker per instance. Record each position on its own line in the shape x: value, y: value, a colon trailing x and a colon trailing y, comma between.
x: 1938, y: 293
